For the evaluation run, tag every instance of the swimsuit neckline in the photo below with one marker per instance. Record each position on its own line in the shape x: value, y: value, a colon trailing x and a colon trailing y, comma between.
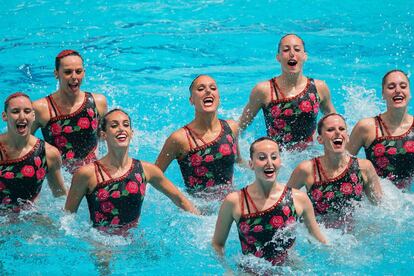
x: 74, y: 113
x: 24, y: 157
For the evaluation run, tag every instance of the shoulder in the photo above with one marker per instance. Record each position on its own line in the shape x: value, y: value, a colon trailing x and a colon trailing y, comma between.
x: 320, y: 85
x: 305, y: 167
x: 365, y: 164
x: 101, y: 103
x: 150, y: 170
x: 85, y: 173
x: 40, y: 105
x: 261, y: 88
x: 233, y: 125
x: 52, y: 151
x: 365, y: 124
x: 299, y: 196
x: 232, y: 199
x: 177, y: 138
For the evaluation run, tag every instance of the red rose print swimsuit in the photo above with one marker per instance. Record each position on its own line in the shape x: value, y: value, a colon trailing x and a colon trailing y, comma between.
x: 392, y: 156
x: 21, y: 179
x: 73, y: 134
x: 291, y: 121
x: 333, y: 198
x: 209, y: 167
x: 116, y: 202
x: 268, y: 234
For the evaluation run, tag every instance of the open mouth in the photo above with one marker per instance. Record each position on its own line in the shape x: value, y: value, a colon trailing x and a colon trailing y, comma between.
x: 21, y: 126
x: 269, y: 172
x: 208, y: 101
x: 292, y: 62
x: 121, y: 137
x: 398, y: 98
x: 338, y: 142
x: 74, y: 86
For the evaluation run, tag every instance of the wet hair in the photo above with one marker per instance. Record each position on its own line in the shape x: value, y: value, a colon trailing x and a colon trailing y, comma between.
x: 280, y: 41
x: 103, y: 120
x: 264, y: 138
x: 65, y: 53
x: 384, y: 78
x: 190, y: 88
x: 12, y: 96
x: 320, y: 123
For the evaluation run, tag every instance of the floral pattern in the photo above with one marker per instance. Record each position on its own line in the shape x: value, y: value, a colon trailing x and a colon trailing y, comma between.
x: 333, y: 198
x: 21, y: 179
x: 269, y: 234
x: 117, y: 202
x: 393, y: 157
x: 74, y: 134
x: 211, y: 164
x: 290, y: 121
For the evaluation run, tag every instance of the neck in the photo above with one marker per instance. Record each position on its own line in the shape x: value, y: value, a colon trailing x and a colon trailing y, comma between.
x: 117, y: 158
x: 69, y: 98
x: 290, y: 80
x: 395, y: 116
x: 334, y: 160
x: 16, y: 141
x: 206, y: 121
x: 266, y: 187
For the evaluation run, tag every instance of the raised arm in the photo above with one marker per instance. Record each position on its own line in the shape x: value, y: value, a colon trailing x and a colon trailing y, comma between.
x: 157, y: 179
x: 54, y: 175
x: 257, y: 100
x: 79, y: 187
x: 301, y: 175
x: 171, y: 149
x: 325, y: 95
x: 372, y: 186
x: 224, y: 221
x: 304, y: 207
x: 360, y: 135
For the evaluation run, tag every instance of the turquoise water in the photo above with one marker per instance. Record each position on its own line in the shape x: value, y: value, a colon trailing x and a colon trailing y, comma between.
x: 143, y: 56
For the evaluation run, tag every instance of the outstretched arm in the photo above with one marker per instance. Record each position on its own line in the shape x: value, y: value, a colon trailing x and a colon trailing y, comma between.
x: 54, y: 175
x: 256, y: 101
x: 305, y: 205
x: 372, y: 186
x: 161, y: 183
x: 325, y: 95
x: 224, y: 221
x: 79, y: 187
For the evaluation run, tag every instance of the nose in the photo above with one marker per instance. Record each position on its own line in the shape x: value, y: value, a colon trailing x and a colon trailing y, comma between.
x: 291, y: 53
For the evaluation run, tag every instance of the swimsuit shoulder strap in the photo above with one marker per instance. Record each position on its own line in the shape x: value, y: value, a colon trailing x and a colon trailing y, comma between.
x: 3, y: 153
x: 52, y: 106
x: 190, y: 136
x: 275, y: 89
x: 249, y: 199
x: 99, y: 170
x: 381, y: 126
x: 317, y: 167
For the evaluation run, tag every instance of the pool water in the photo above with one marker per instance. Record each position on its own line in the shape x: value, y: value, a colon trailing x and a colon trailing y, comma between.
x: 143, y: 55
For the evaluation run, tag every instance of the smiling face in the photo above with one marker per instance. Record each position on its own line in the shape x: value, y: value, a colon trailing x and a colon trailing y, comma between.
x: 333, y: 136
x: 291, y: 54
x: 70, y: 74
x: 117, y: 131
x: 19, y: 115
x: 204, y: 94
x: 265, y: 160
x: 396, y: 90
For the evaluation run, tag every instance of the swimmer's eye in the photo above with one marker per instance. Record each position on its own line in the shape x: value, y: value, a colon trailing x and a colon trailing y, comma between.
x: 274, y: 156
x: 15, y: 111
x: 126, y: 124
x: 342, y: 128
x: 115, y: 125
x: 403, y: 85
x: 79, y: 71
x: 28, y: 110
x: 391, y: 86
x: 297, y: 49
x: 213, y: 87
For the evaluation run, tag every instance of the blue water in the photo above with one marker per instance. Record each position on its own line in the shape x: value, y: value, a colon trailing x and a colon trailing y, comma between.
x: 142, y: 56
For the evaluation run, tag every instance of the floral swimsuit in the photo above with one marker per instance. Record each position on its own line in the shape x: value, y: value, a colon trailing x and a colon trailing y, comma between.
x: 209, y: 166
x: 393, y: 156
x: 117, y: 202
x: 291, y: 121
x: 73, y: 134
x: 21, y: 179
x: 332, y: 198
x: 268, y: 234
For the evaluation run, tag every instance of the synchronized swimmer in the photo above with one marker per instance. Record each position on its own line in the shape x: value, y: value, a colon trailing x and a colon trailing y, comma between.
x: 206, y: 149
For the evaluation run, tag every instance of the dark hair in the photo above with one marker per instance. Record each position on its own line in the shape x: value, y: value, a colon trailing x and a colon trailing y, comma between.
x: 65, y: 53
x: 103, y: 120
x: 264, y: 138
x: 280, y: 41
x: 384, y: 78
x: 12, y: 96
x: 320, y: 123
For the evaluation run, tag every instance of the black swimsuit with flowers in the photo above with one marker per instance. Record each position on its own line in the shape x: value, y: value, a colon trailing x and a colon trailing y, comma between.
x: 117, y: 202
x: 393, y: 156
x: 268, y: 234
x: 291, y: 121
x: 210, y: 165
x: 332, y: 198
x: 73, y: 134
x: 21, y: 179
